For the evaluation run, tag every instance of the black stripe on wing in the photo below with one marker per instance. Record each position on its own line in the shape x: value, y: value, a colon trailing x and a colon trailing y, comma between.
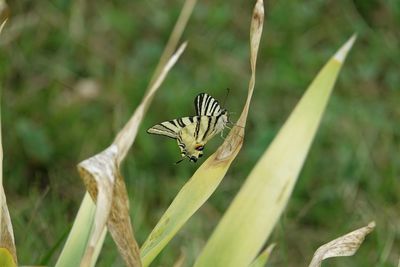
x: 206, y: 105
x: 210, y: 126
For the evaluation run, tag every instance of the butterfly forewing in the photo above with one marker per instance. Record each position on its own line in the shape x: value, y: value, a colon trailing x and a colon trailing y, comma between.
x: 206, y: 105
x: 172, y: 128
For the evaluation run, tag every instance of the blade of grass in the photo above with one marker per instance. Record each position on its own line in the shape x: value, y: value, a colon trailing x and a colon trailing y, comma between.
x: 346, y: 245
x: 262, y: 259
x: 257, y: 207
x: 208, y: 176
x: 174, y: 38
x: 45, y: 259
x: 78, y: 237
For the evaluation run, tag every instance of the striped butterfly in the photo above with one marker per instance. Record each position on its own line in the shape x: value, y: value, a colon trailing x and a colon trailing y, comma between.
x: 192, y: 133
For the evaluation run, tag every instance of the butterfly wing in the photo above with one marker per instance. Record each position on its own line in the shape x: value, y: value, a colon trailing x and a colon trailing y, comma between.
x: 172, y: 128
x: 207, y: 105
x: 192, y: 133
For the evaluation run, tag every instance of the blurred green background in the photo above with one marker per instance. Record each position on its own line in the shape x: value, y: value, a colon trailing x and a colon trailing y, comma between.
x: 72, y: 72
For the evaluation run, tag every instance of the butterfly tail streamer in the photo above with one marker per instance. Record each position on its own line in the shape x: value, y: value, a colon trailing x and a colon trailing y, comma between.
x: 208, y: 176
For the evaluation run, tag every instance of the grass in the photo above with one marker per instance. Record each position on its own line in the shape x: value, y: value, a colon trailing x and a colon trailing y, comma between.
x: 351, y: 174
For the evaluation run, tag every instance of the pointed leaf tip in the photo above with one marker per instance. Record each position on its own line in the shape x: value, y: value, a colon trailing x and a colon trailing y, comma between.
x: 342, y: 53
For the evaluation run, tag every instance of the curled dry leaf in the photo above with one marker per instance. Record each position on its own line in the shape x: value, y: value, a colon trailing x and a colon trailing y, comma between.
x: 103, y: 181
x: 346, y: 245
x: 209, y: 175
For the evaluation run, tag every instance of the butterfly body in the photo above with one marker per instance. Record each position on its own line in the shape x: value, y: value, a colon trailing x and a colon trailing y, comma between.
x: 192, y: 133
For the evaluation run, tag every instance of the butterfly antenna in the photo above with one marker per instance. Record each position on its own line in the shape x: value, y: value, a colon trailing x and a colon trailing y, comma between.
x: 179, y: 161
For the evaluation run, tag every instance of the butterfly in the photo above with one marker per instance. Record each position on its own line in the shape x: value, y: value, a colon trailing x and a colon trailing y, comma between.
x: 192, y: 133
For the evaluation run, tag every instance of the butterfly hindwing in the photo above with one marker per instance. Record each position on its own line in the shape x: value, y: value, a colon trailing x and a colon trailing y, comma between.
x: 206, y: 105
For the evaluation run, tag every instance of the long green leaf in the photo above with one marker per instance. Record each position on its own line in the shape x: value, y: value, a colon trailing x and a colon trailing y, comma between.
x: 257, y: 207
x: 75, y: 246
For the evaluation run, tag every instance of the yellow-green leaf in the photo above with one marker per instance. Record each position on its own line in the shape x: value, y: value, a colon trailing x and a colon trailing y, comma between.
x: 78, y: 237
x: 257, y: 207
x: 6, y: 259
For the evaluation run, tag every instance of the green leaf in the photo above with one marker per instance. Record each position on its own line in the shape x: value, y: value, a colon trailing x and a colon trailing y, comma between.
x: 6, y: 259
x: 257, y: 207
x: 75, y: 246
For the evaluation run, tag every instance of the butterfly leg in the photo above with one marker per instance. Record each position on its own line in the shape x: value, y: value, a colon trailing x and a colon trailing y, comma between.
x: 222, y: 135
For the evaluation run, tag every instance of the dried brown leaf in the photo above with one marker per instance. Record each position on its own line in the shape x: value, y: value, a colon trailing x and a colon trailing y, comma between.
x: 346, y: 245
